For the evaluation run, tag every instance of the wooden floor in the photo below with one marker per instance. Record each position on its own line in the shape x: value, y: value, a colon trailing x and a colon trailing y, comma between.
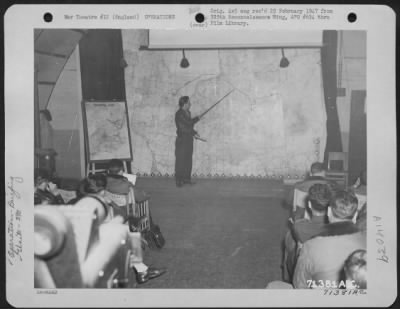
x: 220, y: 233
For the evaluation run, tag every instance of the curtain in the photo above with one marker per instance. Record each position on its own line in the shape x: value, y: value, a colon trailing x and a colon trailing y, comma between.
x: 102, y: 69
x: 329, y: 78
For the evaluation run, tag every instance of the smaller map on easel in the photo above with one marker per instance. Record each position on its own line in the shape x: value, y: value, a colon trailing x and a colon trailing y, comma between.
x: 107, y: 130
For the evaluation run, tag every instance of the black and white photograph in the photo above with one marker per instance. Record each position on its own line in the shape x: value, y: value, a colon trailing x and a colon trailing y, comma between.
x: 191, y: 160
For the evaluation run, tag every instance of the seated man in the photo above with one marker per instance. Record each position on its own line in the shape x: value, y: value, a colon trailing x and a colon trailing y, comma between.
x: 354, y: 272
x: 118, y: 183
x: 355, y: 268
x: 91, y: 184
x: 302, y: 230
x: 46, y: 192
x: 360, y: 186
x: 317, y: 176
x: 319, y: 197
x: 361, y: 221
x: 322, y: 257
x: 360, y: 189
x: 96, y: 185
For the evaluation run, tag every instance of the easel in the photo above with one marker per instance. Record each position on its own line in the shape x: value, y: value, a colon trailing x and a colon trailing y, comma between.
x: 91, y: 167
x: 92, y: 161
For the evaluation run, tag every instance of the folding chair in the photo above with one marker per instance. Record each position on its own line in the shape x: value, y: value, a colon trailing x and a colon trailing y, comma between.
x: 142, y: 209
x: 288, y: 265
x: 126, y: 205
x: 362, y: 199
x: 300, y: 203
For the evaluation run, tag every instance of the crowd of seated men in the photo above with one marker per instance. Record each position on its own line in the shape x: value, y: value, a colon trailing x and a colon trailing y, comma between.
x: 100, y: 186
x: 325, y: 246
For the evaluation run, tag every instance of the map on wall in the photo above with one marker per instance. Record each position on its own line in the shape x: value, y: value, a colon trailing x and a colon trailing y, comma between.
x: 107, y: 131
x: 272, y: 125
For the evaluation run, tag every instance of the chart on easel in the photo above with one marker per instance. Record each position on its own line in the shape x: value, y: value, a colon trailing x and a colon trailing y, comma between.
x: 107, y: 134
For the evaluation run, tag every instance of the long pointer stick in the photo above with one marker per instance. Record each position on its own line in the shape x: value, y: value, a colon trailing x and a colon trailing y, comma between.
x: 201, y: 139
x: 212, y: 106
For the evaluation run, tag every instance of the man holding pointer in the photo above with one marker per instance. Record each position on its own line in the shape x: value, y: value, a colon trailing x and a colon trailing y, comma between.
x: 184, y: 142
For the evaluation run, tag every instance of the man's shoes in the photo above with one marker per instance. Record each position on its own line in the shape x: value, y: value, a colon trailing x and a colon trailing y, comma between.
x: 151, y: 273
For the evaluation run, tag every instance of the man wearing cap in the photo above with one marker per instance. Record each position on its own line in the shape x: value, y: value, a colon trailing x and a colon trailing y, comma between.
x: 184, y: 142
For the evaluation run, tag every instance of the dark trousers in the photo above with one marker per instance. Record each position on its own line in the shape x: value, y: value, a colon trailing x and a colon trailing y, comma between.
x: 183, y: 158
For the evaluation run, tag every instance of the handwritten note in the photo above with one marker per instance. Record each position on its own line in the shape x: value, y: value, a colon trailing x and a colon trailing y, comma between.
x: 336, y: 292
x: 380, y: 240
x: 14, y: 221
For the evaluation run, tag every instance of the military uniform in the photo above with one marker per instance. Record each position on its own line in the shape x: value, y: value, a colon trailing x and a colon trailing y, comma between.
x: 184, y: 145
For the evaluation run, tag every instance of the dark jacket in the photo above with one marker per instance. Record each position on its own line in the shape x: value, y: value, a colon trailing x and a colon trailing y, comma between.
x: 47, y: 197
x: 338, y: 228
x: 185, y: 123
x: 118, y: 184
x: 322, y: 258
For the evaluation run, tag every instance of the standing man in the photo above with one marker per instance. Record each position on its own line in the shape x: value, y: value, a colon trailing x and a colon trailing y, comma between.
x: 184, y: 142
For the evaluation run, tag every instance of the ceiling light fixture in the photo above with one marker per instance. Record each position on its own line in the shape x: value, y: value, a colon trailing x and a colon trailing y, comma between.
x: 184, y: 61
x: 284, y: 61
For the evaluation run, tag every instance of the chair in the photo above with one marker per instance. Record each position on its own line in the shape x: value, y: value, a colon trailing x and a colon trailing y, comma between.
x: 289, y: 260
x: 299, y: 199
x: 125, y: 202
x: 362, y: 199
x: 300, y: 203
x: 338, y: 168
x: 142, y: 210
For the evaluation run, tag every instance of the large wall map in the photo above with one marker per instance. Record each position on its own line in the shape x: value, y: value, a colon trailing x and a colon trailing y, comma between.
x: 107, y: 130
x: 274, y: 123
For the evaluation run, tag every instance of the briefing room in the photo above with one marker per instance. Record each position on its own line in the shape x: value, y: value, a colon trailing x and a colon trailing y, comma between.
x: 184, y: 159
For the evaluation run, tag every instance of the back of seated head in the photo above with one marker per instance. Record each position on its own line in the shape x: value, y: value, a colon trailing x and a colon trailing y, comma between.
x: 355, y: 268
x: 319, y: 196
x: 115, y: 166
x: 94, y: 184
x: 344, y: 205
x: 317, y: 168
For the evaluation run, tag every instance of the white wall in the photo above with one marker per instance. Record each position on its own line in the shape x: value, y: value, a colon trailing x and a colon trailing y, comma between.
x: 65, y: 102
x: 65, y: 107
x: 274, y: 123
